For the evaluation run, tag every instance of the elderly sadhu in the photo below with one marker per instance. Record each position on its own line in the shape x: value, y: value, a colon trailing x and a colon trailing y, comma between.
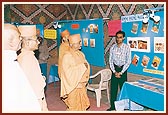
x: 30, y: 64
x: 63, y: 48
x: 74, y: 76
x: 17, y: 93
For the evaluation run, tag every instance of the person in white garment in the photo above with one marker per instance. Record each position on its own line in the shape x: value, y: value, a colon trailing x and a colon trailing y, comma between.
x: 17, y: 93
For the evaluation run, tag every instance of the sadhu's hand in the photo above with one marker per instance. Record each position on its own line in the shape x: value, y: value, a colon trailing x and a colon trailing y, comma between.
x: 86, y: 65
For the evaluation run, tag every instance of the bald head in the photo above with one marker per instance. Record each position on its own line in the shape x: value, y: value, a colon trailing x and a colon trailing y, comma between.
x: 11, y: 37
x: 10, y: 27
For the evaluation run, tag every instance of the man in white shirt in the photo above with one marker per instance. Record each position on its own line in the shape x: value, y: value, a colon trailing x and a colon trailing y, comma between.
x: 119, y: 60
x: 17, y: 93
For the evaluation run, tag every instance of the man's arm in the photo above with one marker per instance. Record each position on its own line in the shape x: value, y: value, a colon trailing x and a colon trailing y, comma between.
x: 111, y: 60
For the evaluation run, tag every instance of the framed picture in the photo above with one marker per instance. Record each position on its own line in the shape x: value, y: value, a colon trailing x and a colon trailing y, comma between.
x: 159, y: 44
x: 155, y: 26
x: 134, y: 28
x: 144, y: 28
x: 145, y: 61
x: 140, y: 44
x: 135, y: 60
x: 85, y: 42
x: 155, y: 62
x: 93, y: 28
x: 92, y: 42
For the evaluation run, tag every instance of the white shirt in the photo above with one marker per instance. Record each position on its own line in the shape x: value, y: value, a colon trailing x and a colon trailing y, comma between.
x: 120, y: 56
x: 17, y: 93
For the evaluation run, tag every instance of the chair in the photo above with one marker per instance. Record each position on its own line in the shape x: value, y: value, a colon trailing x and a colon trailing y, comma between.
x: 105, y: 75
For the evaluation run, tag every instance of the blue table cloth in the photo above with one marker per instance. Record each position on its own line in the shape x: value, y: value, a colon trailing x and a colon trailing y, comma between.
x: 53, y: 74
x: 142, y: 96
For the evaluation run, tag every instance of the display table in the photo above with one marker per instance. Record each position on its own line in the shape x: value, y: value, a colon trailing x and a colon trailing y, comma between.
x: 53, y: 74
x: 143, y: 93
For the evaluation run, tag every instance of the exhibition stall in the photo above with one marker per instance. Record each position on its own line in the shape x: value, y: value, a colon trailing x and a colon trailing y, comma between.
x: 145, y: 36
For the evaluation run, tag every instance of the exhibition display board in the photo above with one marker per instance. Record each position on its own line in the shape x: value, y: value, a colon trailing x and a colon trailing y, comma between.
x: 92, y: 35
x: 145, y: 36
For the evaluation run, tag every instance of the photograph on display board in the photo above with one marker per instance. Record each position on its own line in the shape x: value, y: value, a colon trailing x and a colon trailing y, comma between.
x: 133, y: 44
x: 93, y: 28
x: 92, y: 42
x: 38, y: 32
x: 155, y: 26
x: 145, y: 61
x: 141, y: 44
x: 158, y: 44
x: 135, y: 60
x: 134, y: 28
x: 85, y: 42
x: 155, y: 62
x: 144, y: 27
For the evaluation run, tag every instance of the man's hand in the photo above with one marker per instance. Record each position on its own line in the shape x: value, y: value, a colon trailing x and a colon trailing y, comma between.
x: 117, y: 75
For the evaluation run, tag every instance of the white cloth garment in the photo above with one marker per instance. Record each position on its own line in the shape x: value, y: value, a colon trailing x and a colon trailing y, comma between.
x: 121, y: 105
x: 17, y: 93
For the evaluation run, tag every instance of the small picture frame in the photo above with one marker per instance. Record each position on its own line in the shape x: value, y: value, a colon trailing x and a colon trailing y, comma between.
x: 159, y: 44
x: 93, y: 28
x: 145, y: 61
x: 85, y: 42
x: 155, y: 26
x: 135, y: 60
x: 155, y: 62
x: 92, y: 43
x: 134, y: 28
x: 144, y: 28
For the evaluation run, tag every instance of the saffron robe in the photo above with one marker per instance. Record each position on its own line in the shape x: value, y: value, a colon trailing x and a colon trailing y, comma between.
x: 31, y: 68
x: 64, y: 47
x: 74, y: 77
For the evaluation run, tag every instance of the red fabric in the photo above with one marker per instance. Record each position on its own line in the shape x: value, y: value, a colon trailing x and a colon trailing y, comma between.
x: 113, y: 27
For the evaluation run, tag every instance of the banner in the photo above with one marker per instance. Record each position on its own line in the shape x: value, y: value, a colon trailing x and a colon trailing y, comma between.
x: 50, y: 34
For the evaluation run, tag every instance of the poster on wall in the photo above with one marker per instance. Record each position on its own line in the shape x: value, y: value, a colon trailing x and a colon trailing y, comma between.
x: 155, y: 26
x: 93, y: 28
x: 145, y: 61
x: 144, y: 28
x: 134, y: 28
x: 158, y: 44
x: 155, y: 62
x: 140, y: 44
x: 135, y: 60
x: 92, y: 43
x: 85, y: 42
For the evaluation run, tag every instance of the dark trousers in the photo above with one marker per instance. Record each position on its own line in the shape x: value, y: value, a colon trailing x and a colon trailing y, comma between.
x: 114, y: 85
